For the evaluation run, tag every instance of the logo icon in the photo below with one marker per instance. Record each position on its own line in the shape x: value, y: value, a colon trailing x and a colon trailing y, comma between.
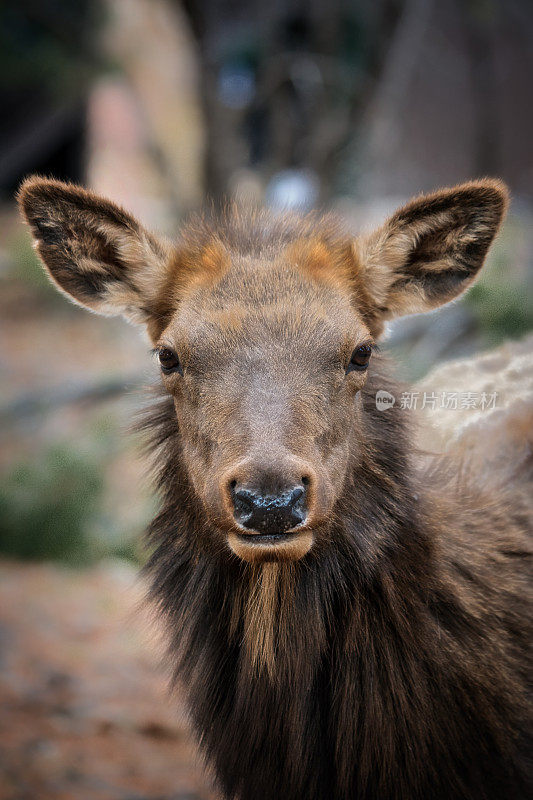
x: 384, y: 400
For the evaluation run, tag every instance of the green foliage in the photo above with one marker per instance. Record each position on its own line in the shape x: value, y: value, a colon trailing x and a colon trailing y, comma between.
x: 57, y: 39
x: 501, y: 300
x: 25, y: 269
x: 24, y: 263
x: 503, y: 311
x: 46, y: 506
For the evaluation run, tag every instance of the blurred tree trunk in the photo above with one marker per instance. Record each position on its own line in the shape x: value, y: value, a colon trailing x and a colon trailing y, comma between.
x: 480, y: 20
x: 314, y: 68
x: 379, y: 128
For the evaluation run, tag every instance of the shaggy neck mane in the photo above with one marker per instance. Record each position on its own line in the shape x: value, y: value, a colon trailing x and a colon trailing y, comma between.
x: 354, y: 638
x: 282, y: 611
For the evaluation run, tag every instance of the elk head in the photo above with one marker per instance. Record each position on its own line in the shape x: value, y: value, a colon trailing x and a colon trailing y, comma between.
x: 264, y: 329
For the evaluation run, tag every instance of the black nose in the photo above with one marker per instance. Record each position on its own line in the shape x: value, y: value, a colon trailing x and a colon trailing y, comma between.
x: 268, y: 513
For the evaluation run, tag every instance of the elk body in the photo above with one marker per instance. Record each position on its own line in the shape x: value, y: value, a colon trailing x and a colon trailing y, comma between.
x: 345, y: 624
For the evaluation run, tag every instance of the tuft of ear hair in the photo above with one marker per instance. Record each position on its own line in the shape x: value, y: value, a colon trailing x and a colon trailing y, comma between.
x: 94, y: 251
x: 431, y: 250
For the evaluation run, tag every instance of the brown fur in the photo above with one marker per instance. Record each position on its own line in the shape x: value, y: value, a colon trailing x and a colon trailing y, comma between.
x: 381, y: 651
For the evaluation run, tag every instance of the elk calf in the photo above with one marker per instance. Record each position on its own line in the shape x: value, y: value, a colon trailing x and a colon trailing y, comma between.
x: 345, y: 624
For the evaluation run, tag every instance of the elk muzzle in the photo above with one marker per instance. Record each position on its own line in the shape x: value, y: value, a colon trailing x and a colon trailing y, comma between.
x: 270, y: 511
x: 269, y: 514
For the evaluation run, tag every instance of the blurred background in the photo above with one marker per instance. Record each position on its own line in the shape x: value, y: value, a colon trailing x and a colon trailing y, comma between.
x: 352, y: 105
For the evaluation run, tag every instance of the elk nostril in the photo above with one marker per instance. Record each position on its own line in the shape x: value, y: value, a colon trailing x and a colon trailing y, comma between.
x: 272, y: 514
x: 243, y: 500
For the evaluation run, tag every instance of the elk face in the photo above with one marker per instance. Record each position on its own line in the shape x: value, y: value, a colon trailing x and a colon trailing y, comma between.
x: 264, y: 332
x: 265, y: 366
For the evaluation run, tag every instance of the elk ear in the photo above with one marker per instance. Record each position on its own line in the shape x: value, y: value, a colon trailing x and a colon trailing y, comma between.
x: 95, y: 252
x: 430, y: 250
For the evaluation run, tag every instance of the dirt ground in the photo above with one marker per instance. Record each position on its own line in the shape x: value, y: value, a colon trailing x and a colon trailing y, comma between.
x: 84, y: 709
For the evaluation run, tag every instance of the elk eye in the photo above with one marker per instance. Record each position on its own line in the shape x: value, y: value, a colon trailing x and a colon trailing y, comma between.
x: 169, y: 361
x: 360, y: 358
